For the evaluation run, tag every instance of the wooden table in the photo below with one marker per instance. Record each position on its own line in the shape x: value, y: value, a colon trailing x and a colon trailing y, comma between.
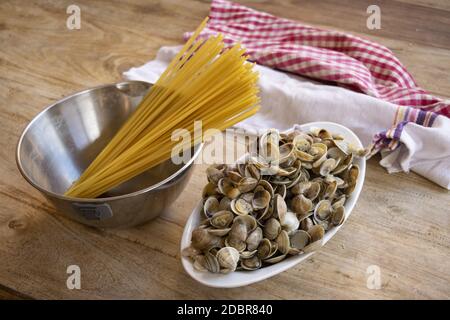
x: 401, y: 222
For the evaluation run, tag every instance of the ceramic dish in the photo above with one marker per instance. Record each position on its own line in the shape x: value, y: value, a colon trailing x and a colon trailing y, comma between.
x: 242, y: 278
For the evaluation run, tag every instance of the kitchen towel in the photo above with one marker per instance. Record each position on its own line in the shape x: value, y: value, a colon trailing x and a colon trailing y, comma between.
x: 359, y: 84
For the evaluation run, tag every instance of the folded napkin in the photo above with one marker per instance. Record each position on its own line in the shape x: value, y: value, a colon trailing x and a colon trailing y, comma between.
x: 366, y: 88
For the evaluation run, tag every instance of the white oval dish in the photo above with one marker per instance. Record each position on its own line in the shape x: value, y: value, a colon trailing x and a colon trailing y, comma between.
x: 242, y: 278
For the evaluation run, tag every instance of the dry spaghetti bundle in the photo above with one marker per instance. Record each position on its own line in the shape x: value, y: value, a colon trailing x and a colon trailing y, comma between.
x: 203, y: 82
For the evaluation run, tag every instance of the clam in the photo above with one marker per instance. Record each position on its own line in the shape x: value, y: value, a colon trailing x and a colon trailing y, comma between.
x: 247, y: 184
x: 290, y: 223
x: 210, y: 206
x: 351, y: 178
x: 248, y: 254
x: 283, y: 242
x: 252, y: 263
x: 210, y: 189
x: 237, y: 244
x: 304, y: 156
x: 248, y: 196
x: 210, y: 263
x: 301, y: 187
x: 343, y: 146
x: 299, y: 239
x: 221, y: 219
x: 313, y: 191
x: 219, y: 232
x: 203, y: 240
x: 234, y: 176
x: 301, y: 143
x: 338, y: 216
x: 241, y: 207
x: 265, y: 249
x: 214, y: 174
x: 322, y: 133
x: 190, y: 252
x: 261, y: 199
x: 327, y: 166
x: 336, y: 154
x: 200, y: 263
x: 286, y: 152
x: 280, y: 208
x: 228, y: 258
x: 224, y: 204
x: 248, y: 221
x: 276, y: 259
x: 271, y: 229
x: 254, y: 239
x: 306, y: 224
x: 316, y: 233
x: 251, y: 171
x: 330, y: 189
x: 266, y: 185
x: 207, y: 262
x: 238, y: 232
x: 301, y: 205
x: 339, y: 201
x: 281, y: 190
x: 227, y: 188
x: 322, y: 210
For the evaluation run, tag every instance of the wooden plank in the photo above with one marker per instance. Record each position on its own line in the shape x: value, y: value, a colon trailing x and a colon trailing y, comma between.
x: 399, y: 224
x: 405, y: 21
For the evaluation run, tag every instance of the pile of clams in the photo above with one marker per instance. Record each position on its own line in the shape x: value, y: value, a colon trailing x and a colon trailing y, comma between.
x: 275, y: 203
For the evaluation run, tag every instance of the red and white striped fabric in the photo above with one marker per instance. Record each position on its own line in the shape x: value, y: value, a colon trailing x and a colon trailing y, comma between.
x: 325, y: 55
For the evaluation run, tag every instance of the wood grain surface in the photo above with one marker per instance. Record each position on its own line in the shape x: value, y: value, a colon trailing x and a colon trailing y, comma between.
x: 401, y: 222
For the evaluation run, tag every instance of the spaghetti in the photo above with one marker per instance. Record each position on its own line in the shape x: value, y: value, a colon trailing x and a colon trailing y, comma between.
x: 203, y: 82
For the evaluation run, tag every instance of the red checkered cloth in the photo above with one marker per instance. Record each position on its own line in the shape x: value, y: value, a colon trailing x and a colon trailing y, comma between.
x: 331, y: 56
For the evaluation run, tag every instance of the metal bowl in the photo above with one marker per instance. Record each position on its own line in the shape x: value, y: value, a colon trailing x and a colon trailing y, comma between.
x: 61, y: 141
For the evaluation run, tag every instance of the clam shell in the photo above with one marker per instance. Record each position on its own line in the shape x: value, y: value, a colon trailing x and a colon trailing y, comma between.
x: 214, y: 174
x: 210, y: 206
x: 265, y: 249
x: 261, y: 199
x: 322, y: 210
x: 254, y: 239
x: 276, y: 259
x: 290, y: 223
x: 338, y: 216
x: 248, y: 221
x: 271, y: 229
x: 241, y: 207
x: 228, y: 258
x: 219, y: 232
x: 301, y: 205
x: 252, y: 263
x: 327, y: 166
x: 203, y: 240
x: 221, y: 219
x: 299, y: 239
x: 283, y: 242
x: 247, y: 184
x: 316, y: 232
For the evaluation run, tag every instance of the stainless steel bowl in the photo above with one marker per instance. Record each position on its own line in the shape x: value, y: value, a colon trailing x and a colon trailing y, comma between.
x: 61, y: 141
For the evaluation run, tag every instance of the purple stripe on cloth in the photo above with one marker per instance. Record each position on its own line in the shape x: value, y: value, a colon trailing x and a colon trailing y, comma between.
x: 390, y: 139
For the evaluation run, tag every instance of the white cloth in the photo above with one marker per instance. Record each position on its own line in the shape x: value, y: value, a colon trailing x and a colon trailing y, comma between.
x: 288, y: 99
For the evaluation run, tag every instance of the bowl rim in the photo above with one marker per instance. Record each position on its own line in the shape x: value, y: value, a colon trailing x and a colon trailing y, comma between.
x: 197, y: 149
